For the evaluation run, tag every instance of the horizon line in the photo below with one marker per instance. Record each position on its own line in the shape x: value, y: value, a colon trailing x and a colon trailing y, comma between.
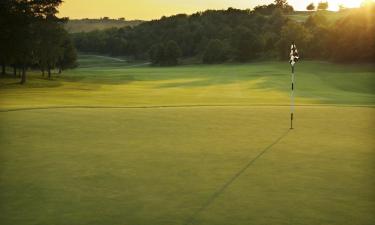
x: 188, y: 14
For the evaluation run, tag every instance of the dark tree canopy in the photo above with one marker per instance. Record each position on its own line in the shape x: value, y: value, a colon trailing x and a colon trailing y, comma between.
x: 32, y: 35
x: 165, y: 54
x: 216, y: 52
x: 216, y: 36
x: 281, y: 3
x: 323, y: 5
x: 310, y: 7
x: 171, y: 53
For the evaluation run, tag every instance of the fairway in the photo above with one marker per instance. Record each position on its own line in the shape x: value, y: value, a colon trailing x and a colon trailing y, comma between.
x: 115, y: 142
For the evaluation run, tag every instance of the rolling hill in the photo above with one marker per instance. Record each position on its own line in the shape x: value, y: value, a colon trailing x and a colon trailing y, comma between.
x: 87, y: 25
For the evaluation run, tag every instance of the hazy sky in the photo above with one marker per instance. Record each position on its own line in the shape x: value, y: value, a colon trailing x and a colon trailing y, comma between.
x: 154, y: 9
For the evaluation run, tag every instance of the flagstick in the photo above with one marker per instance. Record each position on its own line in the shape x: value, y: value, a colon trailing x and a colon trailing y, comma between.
x: 292, y: 100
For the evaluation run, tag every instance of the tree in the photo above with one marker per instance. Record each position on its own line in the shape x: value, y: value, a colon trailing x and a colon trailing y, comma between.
x: 20, y: 36
x: 68, y: 56
x: 165, y: 54
x: 284, y: 6
x: 32, y: 35
x: 6, y: 33
x: 281, y: 3
x: 265, y: 9
x: 352, y: 37
x: 244, y: 34
x: 318, y: 26
x: 215, y: 52
x: 172, y: 53
x: 156, y: 54
x: 293, y: 31
x: 317, y: 19
x: 310, y: 7
x: 21, y: 19
x: 323, y: 6
x: 277, y: 21
x: 50, y: 48
x: 246, y: 44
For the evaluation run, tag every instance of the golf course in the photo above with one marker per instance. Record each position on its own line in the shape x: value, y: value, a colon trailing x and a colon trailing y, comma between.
x: 125, y: 143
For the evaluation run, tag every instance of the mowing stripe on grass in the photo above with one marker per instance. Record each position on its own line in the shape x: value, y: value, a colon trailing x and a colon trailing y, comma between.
x: 216, y: 194
x: 174, y: 106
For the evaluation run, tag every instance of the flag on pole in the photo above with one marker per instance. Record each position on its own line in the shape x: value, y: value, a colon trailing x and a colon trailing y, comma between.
x: 293, y: 54
x: 294, y: 57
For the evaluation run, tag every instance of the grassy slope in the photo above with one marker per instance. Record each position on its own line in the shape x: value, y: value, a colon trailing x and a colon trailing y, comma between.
x: 332, y: 16
x: 86, y: 25
x: 107, y: 82
x: 164, y: 165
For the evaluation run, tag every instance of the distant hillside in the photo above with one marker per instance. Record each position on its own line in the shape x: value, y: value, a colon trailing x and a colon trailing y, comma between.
x: 301, y: 16
x: 86, y: 25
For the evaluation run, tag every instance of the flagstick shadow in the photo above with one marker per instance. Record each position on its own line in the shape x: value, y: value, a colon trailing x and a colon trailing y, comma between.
x: 216, y: 194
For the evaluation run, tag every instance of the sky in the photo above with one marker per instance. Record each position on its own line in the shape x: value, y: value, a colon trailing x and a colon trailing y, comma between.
x: 154, y: 9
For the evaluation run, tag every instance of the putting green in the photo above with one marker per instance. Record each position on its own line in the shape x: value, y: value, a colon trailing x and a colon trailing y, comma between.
x: 117, y: 144
x: 161, y: 166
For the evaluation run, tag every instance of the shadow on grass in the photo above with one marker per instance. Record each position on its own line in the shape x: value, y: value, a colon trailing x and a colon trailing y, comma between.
x: 232, y: 179
x: 37, y: 81
x: 31, y: 82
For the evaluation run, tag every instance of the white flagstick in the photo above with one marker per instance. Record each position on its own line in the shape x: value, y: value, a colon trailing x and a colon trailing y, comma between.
x: 292, y: 100
x: 293, y: 59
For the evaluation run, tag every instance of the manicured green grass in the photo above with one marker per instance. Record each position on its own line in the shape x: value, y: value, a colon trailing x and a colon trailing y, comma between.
x: 218, y: 152
x: 105, y: 82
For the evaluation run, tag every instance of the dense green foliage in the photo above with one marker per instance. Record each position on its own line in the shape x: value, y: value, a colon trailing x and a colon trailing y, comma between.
x: 215, y: 52
x: 32, y: 36
x: 165, y: 55
x: 278, y: 4
x: 265, y: 32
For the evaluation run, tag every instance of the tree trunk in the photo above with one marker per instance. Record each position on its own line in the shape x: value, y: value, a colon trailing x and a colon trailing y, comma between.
x: 15, y: 71
x: 60, y: 70
x: 43, y: 72
x: 49, y: 72
x: 23, y: 77
x: 3, y: 69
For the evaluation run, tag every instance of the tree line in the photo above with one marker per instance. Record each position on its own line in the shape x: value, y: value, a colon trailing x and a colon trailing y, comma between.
x: 216, y: 36
x: 32, y: 36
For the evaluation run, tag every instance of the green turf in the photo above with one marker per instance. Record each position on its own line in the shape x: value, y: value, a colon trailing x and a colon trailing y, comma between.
x: 107, y: 82
x: 223, y: 154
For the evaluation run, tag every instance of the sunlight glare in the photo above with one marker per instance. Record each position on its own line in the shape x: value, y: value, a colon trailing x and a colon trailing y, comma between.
x: 334, y: 4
